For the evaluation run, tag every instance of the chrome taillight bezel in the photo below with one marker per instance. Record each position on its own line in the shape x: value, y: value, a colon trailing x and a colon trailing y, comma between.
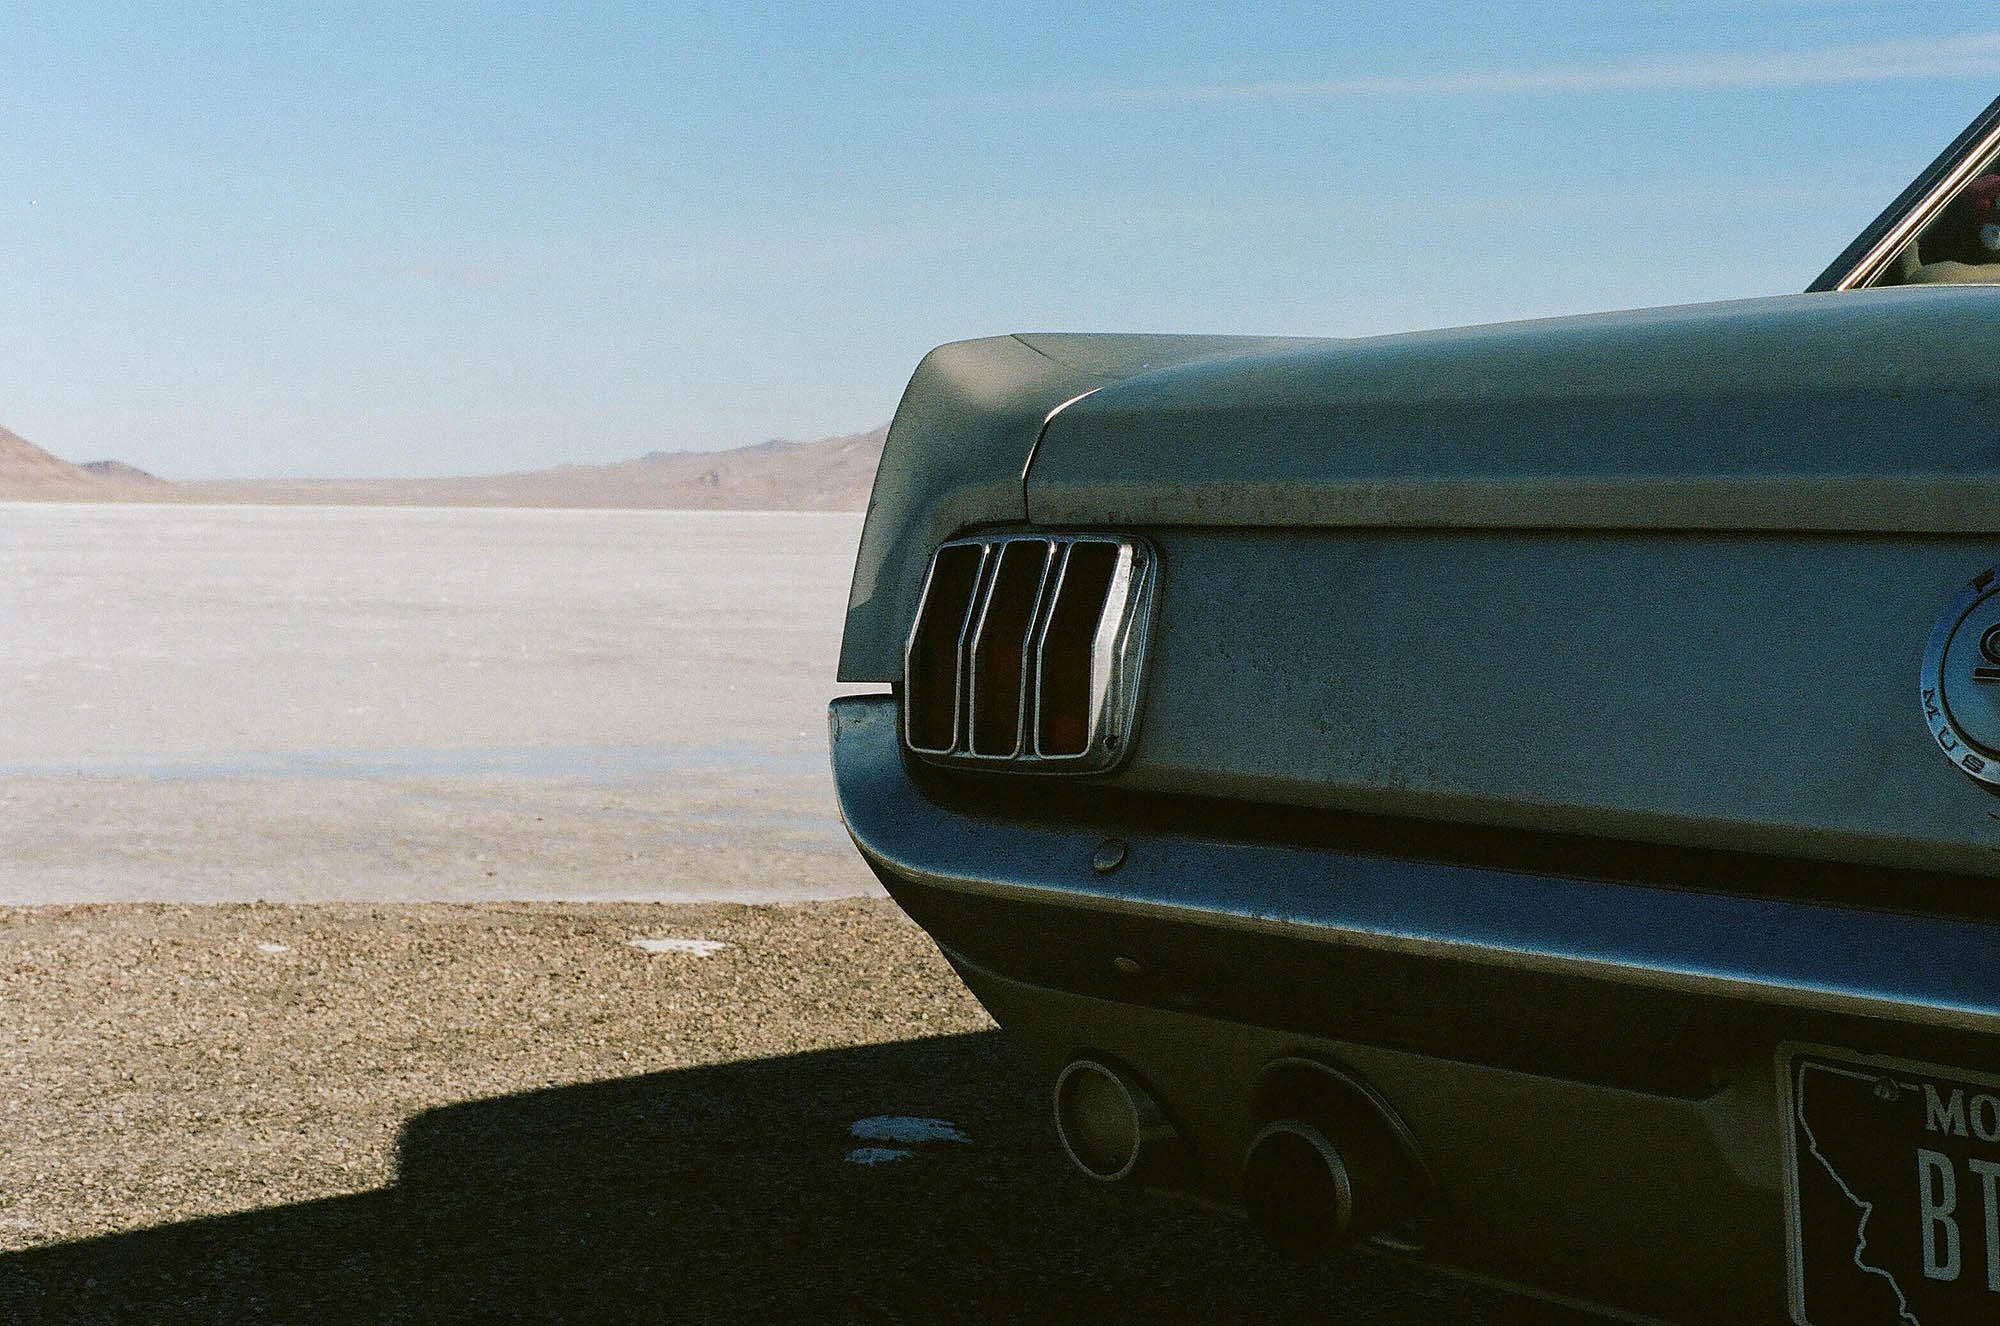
x: 1117, y: 655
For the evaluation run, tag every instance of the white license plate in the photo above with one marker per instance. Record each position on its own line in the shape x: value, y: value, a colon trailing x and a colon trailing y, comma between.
x: 1892, y: 1188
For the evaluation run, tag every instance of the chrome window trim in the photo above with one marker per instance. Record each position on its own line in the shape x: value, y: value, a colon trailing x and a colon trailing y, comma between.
x: 1923, y: 212
x: 1880, y: 240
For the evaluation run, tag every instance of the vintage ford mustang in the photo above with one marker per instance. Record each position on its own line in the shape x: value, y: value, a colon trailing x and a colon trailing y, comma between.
x: 1525, y: 797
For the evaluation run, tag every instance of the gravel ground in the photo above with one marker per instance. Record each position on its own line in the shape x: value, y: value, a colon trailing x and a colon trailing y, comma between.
x: 508, y: 1111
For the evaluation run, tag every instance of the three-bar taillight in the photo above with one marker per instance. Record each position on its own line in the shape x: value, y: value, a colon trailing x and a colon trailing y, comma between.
x: 1028, y: 650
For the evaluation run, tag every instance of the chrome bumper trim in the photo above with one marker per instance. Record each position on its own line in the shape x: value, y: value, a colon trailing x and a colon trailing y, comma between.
x: 1919, y: 969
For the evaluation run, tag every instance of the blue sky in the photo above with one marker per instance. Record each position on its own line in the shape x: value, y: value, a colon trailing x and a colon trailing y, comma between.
x: 421, y: 239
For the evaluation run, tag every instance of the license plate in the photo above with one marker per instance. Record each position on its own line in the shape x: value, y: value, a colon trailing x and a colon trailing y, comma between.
x: 1893, y: 1190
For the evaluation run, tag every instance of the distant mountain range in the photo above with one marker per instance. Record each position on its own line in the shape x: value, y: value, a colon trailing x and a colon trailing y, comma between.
x: 27, y: 471
x: 833, y: 474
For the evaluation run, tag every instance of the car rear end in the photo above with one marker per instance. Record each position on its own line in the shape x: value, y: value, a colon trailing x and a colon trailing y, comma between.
x: 1472, y: 793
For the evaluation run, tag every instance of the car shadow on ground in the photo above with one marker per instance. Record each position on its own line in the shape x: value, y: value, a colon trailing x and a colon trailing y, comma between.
x: 727, y: 1193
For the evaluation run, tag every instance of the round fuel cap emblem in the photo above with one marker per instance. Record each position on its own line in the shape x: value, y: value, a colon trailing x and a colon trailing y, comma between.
x: 1960, y: 686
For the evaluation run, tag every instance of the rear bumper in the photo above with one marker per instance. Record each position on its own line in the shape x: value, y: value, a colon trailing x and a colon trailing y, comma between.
x: 1587, y: 1066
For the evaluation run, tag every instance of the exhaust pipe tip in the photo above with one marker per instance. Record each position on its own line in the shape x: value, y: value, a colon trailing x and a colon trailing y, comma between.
x: 1108, y: 1123
x: 1342, y: 1168
x: 1298, y: 1191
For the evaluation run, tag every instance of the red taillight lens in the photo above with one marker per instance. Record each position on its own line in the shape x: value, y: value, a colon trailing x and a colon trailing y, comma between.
x: 1000, y: 647
x: 1064, y: 725
x: 932, y: 675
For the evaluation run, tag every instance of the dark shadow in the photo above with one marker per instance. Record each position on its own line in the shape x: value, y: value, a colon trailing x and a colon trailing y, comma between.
x: 724, y: 1194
